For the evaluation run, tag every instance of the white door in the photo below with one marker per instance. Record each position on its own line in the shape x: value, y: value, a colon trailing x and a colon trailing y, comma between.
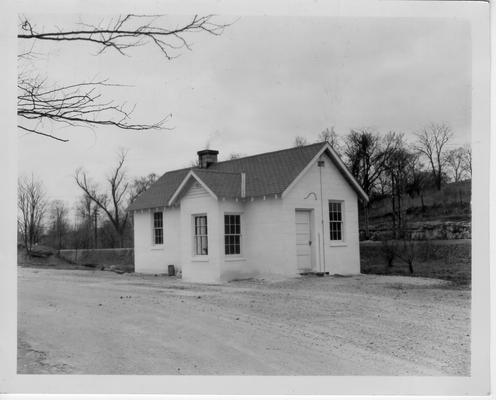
x: 303, y: 240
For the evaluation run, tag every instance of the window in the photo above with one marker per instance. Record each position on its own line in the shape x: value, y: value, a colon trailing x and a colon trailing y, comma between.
x: 232, y: 234
x: 201, y: 237
x: 158, y: 228
x: 335, y: 220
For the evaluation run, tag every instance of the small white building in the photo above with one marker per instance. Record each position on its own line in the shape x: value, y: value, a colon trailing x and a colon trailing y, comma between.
x: 284, y: 212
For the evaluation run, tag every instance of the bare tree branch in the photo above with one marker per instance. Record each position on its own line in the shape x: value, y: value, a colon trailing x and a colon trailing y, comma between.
x: 300, y: 141
x: 73, y: 105
x: 128, y: 31
x: 140, y: 185
x: 81, y: 104
x: 330, y: 136
x: 41, y: 133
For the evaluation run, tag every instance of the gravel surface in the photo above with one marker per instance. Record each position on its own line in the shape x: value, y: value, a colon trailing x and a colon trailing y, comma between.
x: 98, y: 322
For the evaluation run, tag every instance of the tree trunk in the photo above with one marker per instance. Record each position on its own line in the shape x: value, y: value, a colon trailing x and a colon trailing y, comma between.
x: 438, y: 180
x: 120, y: 234
x: 393, y: 214
x: 26, y: 242
x: 96, y: 231
x: 400, y: 219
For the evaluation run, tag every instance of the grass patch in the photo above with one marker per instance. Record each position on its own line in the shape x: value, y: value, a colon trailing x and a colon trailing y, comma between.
x: 443, y: 259
x: 459, y: 274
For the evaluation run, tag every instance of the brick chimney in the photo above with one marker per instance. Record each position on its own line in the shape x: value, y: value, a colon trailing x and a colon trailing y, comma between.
x: 207, y: 157
x: 243, y: 185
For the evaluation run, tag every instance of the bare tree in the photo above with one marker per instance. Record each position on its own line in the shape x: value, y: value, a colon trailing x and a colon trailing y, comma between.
x: 398, y: 168
x: 420, y: 179
x: 87, y: 222
x: 113, y: 201
x: 300, y: 141
x: 32, y: 205
x: 367, y: 154
x: 81, y: 103
x: 59, y: 224
x: 235, y: 156
x: 330, y: 136
x: 431, y: 142
x: 141, y: 185
x: 383, y: 185
x: 467, y: 160
x: 455, y: 162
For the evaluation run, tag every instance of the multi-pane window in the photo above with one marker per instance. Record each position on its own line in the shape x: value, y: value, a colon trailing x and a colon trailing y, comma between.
x: 201, y: 235
x: 158, y: 228
x: 335, y: 220
x: 232, y: 234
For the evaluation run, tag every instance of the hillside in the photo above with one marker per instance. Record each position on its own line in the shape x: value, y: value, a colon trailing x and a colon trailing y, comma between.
x: 437, y: 214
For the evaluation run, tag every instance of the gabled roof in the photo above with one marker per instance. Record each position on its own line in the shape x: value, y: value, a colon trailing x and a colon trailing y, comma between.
x: 217, y: 184
x: 223, y: 184
x: 160, y: 192
x: 266, y: 174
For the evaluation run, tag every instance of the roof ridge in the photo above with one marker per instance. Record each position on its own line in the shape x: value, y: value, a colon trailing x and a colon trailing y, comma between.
x: 244, y: 158
x: 271, y: 152
x: 215, y: 172
x: 177, y: 170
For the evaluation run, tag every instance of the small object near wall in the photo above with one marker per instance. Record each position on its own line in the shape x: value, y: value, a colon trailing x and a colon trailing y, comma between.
x: 172, y: 270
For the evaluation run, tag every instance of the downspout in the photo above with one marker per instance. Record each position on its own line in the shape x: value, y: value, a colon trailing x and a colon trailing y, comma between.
x: 320, y: 164
x: 320, y: 251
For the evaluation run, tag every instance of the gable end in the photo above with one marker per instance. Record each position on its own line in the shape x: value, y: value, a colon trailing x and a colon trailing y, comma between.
x: 339, y: 165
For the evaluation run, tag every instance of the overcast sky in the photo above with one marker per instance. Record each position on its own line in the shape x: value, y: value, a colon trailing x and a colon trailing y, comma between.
x: 256, y: 87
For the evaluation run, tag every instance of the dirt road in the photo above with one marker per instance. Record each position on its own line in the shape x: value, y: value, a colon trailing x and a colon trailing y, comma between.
x: 95, y: 322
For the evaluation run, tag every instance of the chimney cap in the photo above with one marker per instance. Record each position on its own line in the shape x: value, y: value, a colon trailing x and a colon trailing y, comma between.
x: 207, y: 151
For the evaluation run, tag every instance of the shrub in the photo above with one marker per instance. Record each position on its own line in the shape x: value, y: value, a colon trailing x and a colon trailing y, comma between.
x: 388, y: 251
x: 407, y: 252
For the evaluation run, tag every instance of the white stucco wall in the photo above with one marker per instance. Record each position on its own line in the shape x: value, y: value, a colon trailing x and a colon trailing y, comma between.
x: 150, y: 258
x: 236, y: 266
x: 204, y: 268
x: 340, y: 257
x: 266, y: 231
